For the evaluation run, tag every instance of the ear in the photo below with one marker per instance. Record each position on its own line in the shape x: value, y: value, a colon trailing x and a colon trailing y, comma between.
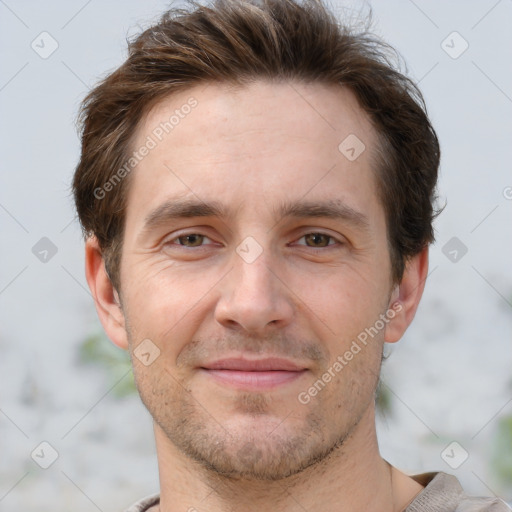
x: 105, y: 296
x: 406, y: 296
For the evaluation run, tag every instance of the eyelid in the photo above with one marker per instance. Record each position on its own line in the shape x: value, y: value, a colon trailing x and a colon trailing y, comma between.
x: 336, y: 239
x: 174, y: 238
x: 200, y: 232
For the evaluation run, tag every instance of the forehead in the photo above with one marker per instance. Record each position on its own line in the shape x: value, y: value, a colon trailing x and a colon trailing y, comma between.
x: 257, y: 143
x: 319, y: 107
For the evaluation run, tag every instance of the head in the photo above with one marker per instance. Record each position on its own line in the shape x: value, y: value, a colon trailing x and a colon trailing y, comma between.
x: 256, y: 181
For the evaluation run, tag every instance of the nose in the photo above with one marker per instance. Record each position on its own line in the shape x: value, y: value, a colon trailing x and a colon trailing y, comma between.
x: 254, y: 297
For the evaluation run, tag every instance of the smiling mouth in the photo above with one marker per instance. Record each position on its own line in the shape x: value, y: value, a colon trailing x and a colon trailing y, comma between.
x: 257, y: 375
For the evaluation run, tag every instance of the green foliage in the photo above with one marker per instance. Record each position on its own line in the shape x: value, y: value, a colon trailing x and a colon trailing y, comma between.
x: 502, y: 450
x: 98, y: 350
x: 383, y: 399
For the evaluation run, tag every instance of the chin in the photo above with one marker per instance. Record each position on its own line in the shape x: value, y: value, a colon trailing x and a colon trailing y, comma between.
x: 257, y: 448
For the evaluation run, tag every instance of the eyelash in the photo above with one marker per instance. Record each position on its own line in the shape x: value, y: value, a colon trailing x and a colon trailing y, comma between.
x: 329, y: 245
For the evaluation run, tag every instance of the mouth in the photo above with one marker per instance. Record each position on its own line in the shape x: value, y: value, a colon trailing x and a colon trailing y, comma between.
x: 255, y: 375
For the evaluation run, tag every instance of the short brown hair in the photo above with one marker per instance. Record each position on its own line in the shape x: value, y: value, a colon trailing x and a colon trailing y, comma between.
x: 240, y: 41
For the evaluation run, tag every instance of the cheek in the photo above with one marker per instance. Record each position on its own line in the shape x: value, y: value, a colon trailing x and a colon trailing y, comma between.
x: 351, y: 307
x: 164, y: 305
x: 346, y: 300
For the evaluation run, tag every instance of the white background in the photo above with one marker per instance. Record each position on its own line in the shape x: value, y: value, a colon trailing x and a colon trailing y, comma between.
x: 449, y: 376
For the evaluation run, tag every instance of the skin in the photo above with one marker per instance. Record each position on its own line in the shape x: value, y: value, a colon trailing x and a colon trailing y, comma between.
x: 305, y: 298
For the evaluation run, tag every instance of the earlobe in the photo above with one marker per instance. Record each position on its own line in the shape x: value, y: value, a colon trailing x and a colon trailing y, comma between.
x: 406, y: 296
x: 105, y: 296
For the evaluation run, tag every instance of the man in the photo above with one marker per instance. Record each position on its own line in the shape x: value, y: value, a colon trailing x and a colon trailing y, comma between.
x: 256, y: 189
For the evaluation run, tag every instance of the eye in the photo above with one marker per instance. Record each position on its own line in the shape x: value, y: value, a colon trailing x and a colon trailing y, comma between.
x: 318, y: 240
x: 188, y: 240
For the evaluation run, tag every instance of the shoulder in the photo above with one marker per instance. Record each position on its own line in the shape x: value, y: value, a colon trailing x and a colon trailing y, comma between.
x: 144, y: 504
x: 475, y: 504
x: 443, y: 493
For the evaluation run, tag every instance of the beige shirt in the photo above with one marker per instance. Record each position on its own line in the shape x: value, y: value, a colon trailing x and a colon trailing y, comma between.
x: 442, y: 493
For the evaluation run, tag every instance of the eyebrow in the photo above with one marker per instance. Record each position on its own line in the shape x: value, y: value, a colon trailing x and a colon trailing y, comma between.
x: 187, y: 208
x: 332, y: 208
x: 180, y: 209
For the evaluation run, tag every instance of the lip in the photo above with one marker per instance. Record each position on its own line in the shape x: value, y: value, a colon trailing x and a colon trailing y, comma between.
x: 257, y: 375
x: 254, y: 365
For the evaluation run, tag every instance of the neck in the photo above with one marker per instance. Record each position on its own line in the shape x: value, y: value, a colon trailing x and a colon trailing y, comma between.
x: 352, y: 477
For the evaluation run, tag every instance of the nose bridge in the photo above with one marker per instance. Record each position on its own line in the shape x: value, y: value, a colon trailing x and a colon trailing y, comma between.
x: 253, y: 297
x: 254, y: 277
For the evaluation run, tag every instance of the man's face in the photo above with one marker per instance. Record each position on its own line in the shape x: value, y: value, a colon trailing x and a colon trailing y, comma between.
x: 249, y: 309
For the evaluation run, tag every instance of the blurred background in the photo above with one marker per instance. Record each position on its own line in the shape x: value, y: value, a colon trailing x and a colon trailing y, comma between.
x: 74, y: 433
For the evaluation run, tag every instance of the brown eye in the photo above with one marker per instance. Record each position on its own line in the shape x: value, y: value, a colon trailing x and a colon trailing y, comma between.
x: 192, y: 240
x: 317, y: 239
